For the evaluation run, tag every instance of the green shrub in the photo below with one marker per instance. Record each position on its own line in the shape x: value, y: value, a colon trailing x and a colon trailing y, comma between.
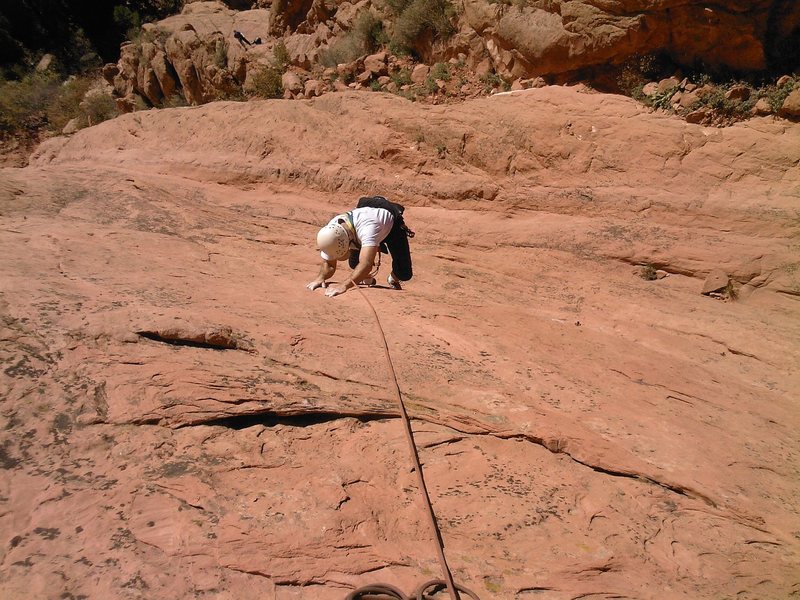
x: 221, y: 54
x: 66, y: 104
x: 280, y: 56
x: 401, y: 77
x: 127, y: 20
x: 41, y: 100
x: 776, y: 96
x: 725, y: 107
x: 662, y: 99
x: 648, y: 273
x: 344, y: 50
x: 423, y: 17
x: 98, y: 108
x: 491, y: 81
x: 266, y: 83
x: 441, y: 71
x: 368, y: 30
x: 365, y: 36
x: 635, y: 72
x: 23, y: 102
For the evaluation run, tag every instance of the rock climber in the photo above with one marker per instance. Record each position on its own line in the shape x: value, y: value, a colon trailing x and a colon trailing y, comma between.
x: 375, y: 225
x: 241, y: 39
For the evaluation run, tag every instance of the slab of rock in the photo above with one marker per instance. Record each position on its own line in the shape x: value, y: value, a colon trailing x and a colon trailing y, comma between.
x: 716, y: 281
x: 147, y: 452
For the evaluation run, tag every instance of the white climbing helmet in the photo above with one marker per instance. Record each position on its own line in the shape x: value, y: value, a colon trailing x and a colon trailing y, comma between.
x: 334, y: 241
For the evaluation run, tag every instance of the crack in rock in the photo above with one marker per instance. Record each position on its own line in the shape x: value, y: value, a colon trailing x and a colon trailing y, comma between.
x: 215, y: 339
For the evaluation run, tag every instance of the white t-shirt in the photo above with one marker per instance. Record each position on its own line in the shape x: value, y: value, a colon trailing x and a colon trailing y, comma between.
x: 372, y: 225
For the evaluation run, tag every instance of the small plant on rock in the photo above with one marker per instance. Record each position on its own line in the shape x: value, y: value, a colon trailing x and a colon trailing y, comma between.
x: 440, y: 71
x: 280, y: 56
x: 491, y: 81
x: 99, y: 107
x: 401, y: 77
x: 418, y: 18
x: 267, y: 83
x: 648, y: 272
x: 730, y: 292
x: 776, y: 95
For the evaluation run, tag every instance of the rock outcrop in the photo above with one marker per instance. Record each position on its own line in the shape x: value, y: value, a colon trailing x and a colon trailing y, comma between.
x: 198, y: 50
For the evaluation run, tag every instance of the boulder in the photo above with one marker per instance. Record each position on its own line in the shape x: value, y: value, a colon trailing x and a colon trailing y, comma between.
x: 313, y: 88
x: 303, y: 49
x: 716, y: 281
x: 346, y: 13
x: 109, y: 72
x: 364, y: 77
x: 179, y: 49
x: 420, y: 73
x: 689, y: 99
x: 72, y: 126
x: 791, y: 106
x: 650, y: 89
x: 146, y: 81
x: 667, y: 84
x: 347, y: 71
x: 783, y: 80
x: 698, y: 116
x: 738, y: 92
x: 164, y: 73
x: 762, y: 107
x: 45, y: 63
x: 484, y: 68
x: 376, y: 64
x: 292, y: 82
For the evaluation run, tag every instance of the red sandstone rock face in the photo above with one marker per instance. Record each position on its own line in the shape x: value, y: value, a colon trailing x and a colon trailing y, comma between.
x: 182, y: 418
x: 557, y: 37
x: 539, y: 38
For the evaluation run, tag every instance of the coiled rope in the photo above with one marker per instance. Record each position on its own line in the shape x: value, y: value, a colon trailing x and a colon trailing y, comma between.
x: 435, y: 584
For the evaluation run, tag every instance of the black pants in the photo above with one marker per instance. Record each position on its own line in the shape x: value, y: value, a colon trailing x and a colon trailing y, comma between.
x: 397, y: 243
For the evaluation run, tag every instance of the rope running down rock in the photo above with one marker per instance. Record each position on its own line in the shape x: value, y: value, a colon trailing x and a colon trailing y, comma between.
x: 436, y: 584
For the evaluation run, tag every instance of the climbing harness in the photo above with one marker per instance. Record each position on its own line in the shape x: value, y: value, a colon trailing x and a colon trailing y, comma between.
x: 435, y: 584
